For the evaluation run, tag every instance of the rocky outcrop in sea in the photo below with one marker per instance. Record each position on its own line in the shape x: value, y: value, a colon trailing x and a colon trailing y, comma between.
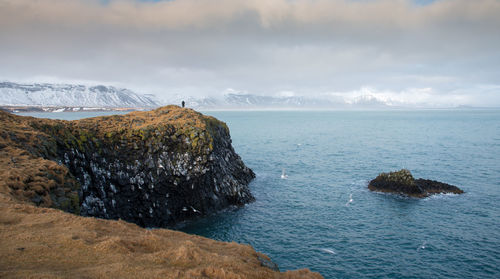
x: 153, y: 168
x: 402, y: 182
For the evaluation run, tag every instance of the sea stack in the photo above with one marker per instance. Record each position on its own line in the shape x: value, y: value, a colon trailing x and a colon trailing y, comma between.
x: 402, y: 182
x: 153, y: 168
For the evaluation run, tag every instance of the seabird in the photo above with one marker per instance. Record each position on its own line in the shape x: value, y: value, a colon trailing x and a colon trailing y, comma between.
x: 283, y: 174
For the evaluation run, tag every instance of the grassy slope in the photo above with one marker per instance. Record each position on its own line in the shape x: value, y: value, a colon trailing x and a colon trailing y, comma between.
x: 40, y: 242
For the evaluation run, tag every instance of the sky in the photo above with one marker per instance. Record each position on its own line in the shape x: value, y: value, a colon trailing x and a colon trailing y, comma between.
x: 421, y: 53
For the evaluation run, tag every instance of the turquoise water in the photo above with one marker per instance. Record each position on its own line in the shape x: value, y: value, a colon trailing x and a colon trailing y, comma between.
x: 308, y: 221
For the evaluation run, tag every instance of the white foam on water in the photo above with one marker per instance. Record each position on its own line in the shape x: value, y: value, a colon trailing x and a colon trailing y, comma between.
x: 440, y: 196
x: 329, y: 251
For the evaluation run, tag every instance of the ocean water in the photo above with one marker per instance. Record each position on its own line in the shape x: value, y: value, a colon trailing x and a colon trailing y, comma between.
x: 322, y: 217
x: 307, y: 220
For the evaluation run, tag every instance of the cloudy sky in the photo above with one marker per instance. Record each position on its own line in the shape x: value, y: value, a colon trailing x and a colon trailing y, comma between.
x: 411, y: 52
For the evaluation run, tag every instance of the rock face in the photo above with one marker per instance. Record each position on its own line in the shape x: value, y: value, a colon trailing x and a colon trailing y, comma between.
x: 402, y: 182
x: 152, y: 168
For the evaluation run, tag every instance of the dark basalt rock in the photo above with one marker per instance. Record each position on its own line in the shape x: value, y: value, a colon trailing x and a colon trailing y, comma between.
x: 152, y: 168
x: 402, y: 182
x: 267, y: 263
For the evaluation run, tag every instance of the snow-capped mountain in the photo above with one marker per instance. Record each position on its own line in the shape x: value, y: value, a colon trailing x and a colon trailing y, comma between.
x: 67, y: 95
x: 251, y: 101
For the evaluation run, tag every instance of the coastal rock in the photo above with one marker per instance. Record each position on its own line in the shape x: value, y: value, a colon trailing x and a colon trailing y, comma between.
x: 266, y: 262
x: 402, y: 182
x: 153, y: 168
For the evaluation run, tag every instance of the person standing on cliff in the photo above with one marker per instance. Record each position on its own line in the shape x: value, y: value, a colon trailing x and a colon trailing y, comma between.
x: 183, y: 103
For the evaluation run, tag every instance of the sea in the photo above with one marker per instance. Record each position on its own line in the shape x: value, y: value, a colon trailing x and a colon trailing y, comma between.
x: 313, y: 209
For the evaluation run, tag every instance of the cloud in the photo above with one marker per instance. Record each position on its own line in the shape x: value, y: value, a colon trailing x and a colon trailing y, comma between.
x: 411, y: 97
x: 268, y: 14
x: 258, y: 46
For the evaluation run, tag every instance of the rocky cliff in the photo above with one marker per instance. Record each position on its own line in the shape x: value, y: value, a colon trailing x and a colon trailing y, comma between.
x: 402, y: 182
x: 151, y: 168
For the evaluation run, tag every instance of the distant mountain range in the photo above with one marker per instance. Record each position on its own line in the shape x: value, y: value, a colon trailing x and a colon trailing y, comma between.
x: 250, y: 101
x: 67, y: 95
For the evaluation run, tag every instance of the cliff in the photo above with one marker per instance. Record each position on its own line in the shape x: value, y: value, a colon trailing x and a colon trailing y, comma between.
x: 402, y: 182
x: 151, y: 168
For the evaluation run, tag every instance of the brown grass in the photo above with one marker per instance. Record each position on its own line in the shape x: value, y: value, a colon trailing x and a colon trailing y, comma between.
x: 36, y: 180
x: 173, y: 116
x: 48, y: 243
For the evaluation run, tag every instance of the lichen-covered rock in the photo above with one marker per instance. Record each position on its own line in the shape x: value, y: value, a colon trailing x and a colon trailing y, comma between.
x: 153, y: 168
x: 402, y: 182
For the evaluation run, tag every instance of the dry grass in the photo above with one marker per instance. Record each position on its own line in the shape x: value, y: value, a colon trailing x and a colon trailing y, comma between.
x: 36, y: 180
x: 168, y: 116
x: 48, y: 243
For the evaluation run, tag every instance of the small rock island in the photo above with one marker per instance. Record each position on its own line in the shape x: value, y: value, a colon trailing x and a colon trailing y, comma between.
x: 402, y: 182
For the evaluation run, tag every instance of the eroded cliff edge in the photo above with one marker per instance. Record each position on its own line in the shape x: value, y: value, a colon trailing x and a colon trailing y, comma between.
x: 151, y: 168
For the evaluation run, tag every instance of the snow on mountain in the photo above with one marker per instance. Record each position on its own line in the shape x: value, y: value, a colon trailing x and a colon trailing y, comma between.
x: 68, y: 96
x: 250, y: 101
x: 44, y: 94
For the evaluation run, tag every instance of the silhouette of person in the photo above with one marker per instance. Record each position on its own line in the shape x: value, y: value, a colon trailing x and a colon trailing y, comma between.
x: 183, y: 103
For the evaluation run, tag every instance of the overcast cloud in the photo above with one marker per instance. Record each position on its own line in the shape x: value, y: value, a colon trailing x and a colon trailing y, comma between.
x: 442, y: 53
